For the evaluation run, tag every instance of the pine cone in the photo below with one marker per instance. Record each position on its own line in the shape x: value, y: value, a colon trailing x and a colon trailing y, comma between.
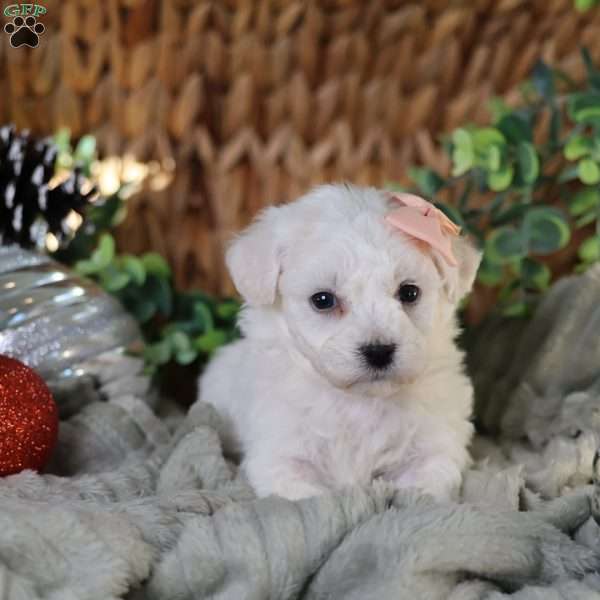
x: 28, y: 207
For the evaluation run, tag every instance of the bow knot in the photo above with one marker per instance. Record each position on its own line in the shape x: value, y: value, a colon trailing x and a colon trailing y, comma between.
x: 422, y: 220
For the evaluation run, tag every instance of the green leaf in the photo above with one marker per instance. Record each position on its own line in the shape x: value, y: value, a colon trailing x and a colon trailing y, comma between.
x: 515, y: 267
x: 154, y: 263
x: 186, y: 357
x: 484, y: 137
x: 105, y: 252
x: 535, y: 274
x: 85, y: 152
x: 589, y: 115
x: 159, y: 353
x: 584, y: 5
x: 462, y: 138
x: 62, y: 140
x: 507, y: 292
x: 586, y: 219
x: 228, y: 309
x: 114, y: 280
x: 182, y: 347
x: 589, y: 250
x: 513, y: 213
x: 588, y: 171
x: 545, y: 230
x: 578, y: 147
x: 134, y: 267
x: 592, y: 72
x: 528, y: 160
x: 203, y: 316
x: 515, y: 129
x: 584, y: 107
x: 493, y: 158
x: 142, y: 310
x: 463, y: 152
x: 179, y: 340
x: 498, y: 109
x: 500, y: 180
x: 462, y: 161
x: 86, y: 267
x: 187, y: 326
x: 427, y: 180
x: 515, y: 309
x: 102, y: 213
x: 585, y: 200
x: 504, y: 245
x: 208, y: 342
x: 490, y: 273
x: 159, y: 291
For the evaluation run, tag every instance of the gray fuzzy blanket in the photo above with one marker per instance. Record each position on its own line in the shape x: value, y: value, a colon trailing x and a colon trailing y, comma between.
x: 141, y: 503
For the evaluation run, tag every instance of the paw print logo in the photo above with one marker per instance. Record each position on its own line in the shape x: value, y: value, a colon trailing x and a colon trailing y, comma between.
x: 24, y: 32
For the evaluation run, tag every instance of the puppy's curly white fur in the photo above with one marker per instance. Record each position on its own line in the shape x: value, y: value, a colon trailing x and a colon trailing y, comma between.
x: 348, y: 369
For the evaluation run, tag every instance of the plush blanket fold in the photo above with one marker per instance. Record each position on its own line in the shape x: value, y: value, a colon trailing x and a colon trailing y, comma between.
x: 139, y: 506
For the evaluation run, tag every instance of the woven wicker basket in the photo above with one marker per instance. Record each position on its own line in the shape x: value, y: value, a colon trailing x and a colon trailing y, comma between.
x: 255, y: 101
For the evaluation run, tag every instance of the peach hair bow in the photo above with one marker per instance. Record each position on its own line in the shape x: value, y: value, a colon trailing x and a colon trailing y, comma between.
x: 423, y: 221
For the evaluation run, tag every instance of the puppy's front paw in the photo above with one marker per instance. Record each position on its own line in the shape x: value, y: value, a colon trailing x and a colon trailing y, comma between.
x: 296, y: 490
x: 279, y: 479
x: 437, y: 477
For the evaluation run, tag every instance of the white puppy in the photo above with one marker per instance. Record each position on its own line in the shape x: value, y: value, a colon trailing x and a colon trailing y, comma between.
x: 348, y: 370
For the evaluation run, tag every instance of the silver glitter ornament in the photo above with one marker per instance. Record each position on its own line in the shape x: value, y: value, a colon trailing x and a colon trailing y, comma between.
x: 55, y: 321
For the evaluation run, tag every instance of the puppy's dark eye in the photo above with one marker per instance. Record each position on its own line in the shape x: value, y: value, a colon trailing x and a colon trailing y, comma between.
x: 408, y: 293
x: 323, y: 301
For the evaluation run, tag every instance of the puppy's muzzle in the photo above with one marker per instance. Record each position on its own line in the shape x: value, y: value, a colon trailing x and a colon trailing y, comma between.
x: 378, y: 356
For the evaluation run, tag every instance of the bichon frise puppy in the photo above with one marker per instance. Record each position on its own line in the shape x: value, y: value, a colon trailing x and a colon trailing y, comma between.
x: 348, y: 370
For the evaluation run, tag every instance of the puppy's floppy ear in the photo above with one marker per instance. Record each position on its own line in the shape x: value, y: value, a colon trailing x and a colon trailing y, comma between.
x: 458, y: 280
x: 254, y: 259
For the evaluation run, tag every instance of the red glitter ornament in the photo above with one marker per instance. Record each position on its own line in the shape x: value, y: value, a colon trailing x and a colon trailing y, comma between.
x: 28, y: 418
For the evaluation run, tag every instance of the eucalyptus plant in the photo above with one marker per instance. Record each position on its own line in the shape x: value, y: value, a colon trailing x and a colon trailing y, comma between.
x: 82, y: 155
x: 180, y: 327
x: 524, y: 183
x: 183, y: 327
x: 584, y: 5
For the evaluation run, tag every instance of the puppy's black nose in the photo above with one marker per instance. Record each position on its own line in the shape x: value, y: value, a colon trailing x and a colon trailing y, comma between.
x: 378, y: 356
